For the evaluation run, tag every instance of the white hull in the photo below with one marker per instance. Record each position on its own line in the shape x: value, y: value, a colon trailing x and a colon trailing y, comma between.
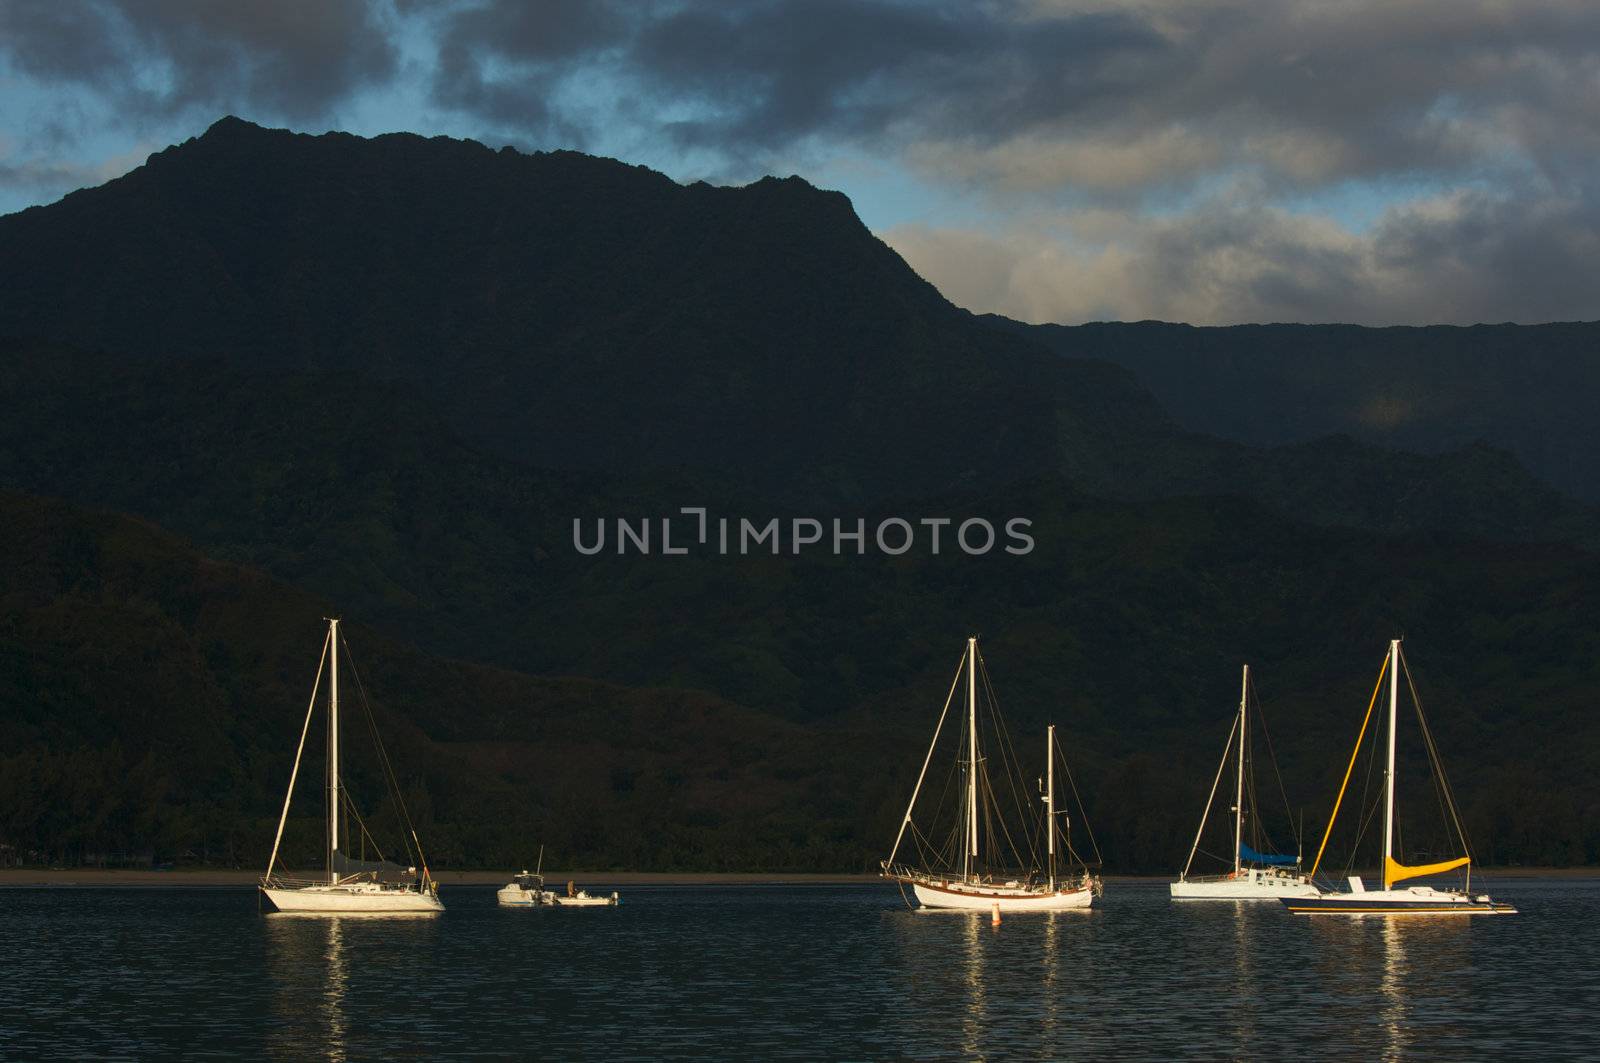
x: 516, y: 897
x: 583, y: 900
x: 357, y: 898
x: 1252, y: 885
x: 1414, y: 900
x: 964, y: 897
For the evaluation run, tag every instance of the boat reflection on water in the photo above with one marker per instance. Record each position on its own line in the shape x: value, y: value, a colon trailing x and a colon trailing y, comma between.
x: 1051, y: 976
x: 310, y: 959
x: 1244, y: 921
x: 975, y: 1016
x: 1392, y: 1014
x: 1420, y: 969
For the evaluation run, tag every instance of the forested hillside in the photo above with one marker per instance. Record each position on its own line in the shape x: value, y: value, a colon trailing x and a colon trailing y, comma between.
x: 268, y: 378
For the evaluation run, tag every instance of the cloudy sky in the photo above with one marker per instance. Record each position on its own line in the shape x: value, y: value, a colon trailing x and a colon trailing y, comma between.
x: 1211, y: 161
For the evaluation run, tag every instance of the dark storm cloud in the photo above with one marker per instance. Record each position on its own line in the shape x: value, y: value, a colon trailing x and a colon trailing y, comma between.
x: 539, y: 43
x: 1306, y: 92
x: 1206, y: 160
x: 767, y: 74
x: 292, y: 58
x: 783, y: 71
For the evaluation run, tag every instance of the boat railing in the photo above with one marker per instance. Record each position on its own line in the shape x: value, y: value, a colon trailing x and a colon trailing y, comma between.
x: 905, y: 872
x: 1004, y: 878
x: 280, y: 882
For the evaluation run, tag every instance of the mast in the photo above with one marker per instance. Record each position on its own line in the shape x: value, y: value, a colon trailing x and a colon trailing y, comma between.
x: 972, y: 756
x: 1388, y: 777
x: 1050, y: 799
x: 333, y: 749
x: 1238, y: 798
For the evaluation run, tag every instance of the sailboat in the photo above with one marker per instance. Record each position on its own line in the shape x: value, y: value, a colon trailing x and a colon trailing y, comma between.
x: 1255, y: 875
x: 349, y: 885
x: 1411, y: 900
x: 940, y: 880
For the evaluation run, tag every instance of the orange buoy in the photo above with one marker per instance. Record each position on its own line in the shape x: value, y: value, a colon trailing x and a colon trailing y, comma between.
x: 994, y: 919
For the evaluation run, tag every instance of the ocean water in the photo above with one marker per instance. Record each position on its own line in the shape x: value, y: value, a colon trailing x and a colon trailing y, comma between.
x: 804, y: 972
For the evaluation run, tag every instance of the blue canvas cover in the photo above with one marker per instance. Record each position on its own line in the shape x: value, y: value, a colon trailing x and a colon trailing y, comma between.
x: 1250, y: 856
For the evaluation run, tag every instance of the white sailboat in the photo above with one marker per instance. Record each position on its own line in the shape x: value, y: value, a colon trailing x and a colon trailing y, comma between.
x: 1411, y: 900
x: 1255, y: 875
x: 941, y: 881
x: 349, y: 885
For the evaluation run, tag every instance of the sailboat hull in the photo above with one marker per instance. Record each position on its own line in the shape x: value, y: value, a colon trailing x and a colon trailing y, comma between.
x: 979, y: 898
x: 1414, y: 901
x: 1251, y: 885
x: 359, y: 898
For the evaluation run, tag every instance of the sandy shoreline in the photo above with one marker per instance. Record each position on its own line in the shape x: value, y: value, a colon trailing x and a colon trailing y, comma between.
x: 221, y: 877
x: 215, y: 877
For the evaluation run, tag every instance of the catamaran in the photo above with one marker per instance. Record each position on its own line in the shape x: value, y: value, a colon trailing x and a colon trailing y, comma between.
x: 1256, y: 875
x: 978, y: 880
x: 350, y: 885
x: 1412, y: 900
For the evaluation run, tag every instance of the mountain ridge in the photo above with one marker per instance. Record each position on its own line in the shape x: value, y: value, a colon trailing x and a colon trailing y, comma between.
x: 388, y: 374
x: 1526, y: 389
x: 573, y: 312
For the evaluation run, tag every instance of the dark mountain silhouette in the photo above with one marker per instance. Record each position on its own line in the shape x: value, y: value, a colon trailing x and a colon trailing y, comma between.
x: 384, y: 376
x: 577, y: 313
x: 567, y: 310
x: 1529, y: 390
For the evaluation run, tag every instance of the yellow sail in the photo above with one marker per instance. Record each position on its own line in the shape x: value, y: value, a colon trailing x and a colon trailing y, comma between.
x: 1394, y: 871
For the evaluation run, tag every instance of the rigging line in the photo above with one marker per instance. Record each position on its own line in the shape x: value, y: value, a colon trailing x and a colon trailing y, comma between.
x: 1223, y: 763
x: 1083, y: 815
x: 1272, y: 755
x: 1440, y: 792
x: 994, y: 806
x: 952, y: 787
x: 1372, y: 812
x: 1372, y: 800
x: 1249, y: 807
x: 1012, y: 766
x: 909, y: 808
x: 1442, y: 781
x: 294, y: 774
x: 1365, y: 720
x: 350, y: 807
x: 1004, y: 747
x: 383, y: 755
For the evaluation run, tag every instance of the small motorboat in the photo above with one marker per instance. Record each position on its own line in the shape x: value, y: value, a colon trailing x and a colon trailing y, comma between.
x: 525, y: 890
x: 576, y: 898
